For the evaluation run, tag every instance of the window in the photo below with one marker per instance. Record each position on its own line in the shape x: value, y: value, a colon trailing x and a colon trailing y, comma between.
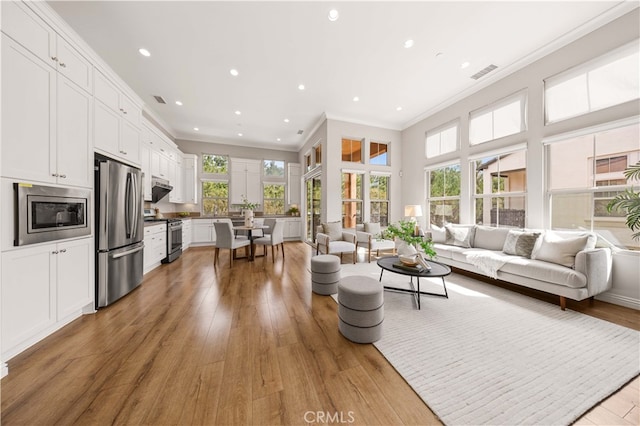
x: 215, y: 164
x: 503, y: 118
x: 215, y: 198
x: 307, y: 162
x: 352, y: 150
x: 500, y: 195
x: 273, y: 168
x: 379, y: 199
x: 444, y: 195
x: 351, y: 199
x: 442, y: 140
x: 273, y: 198
x: 579, y: 195
x: 609, y: 80
x: 318, y: 153
x: 378, y: 153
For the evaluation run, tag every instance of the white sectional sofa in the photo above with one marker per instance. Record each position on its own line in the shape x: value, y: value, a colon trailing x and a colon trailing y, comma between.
x: 564, y: 263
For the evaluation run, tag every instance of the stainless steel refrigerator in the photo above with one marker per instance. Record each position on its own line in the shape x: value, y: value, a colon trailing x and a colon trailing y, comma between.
x: 119, y: 230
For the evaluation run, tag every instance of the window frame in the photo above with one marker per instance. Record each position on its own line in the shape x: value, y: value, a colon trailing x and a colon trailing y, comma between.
x: 360, y: 201
x: 521, y: 96
x: 380, y: 201
x: 274, y: 177
x: 444, y: 198
x: 362, y: 145
x: 203, y: 181
x: 387, y: 152
x: 214, y: 176
x: 265, y: 200
x: 438, y: 131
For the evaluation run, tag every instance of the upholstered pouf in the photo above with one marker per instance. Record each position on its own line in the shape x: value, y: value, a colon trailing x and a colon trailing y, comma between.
x: 360, y: 308
x: 325, y: 274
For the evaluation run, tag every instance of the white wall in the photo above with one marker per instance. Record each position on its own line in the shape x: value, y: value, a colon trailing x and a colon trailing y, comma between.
x: 601, y: 41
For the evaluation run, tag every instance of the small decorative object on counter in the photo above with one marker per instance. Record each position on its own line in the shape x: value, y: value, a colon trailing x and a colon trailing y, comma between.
x: 248, y: 218
x: 293, y: 210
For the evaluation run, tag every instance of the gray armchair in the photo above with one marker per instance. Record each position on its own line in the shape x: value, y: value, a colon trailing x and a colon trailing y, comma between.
x: 369, y: 236
x: 332, y: 239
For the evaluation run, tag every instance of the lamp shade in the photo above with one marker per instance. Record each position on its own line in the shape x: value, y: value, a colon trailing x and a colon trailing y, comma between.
x: 413, y: 210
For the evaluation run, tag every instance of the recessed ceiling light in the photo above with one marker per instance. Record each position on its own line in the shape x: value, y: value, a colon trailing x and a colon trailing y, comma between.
x: 286, y: 120
x: 196, y: 129
x: 179, y: 103
x: 144, y: 52
x: 238, y: 112
x: 356, y: 99
x: 300, y: 86
x: 333, y: 15
x: 278, y: 139
x: 233, y: 72
x: 239, y: 134
x: 408, y: 43
x: 464, y: 65
x: 399, y: 108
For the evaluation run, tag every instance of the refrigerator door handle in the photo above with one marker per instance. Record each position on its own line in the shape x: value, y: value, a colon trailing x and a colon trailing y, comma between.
x: 127, y: 206
x: 138, y: 204
x: 128, y: 252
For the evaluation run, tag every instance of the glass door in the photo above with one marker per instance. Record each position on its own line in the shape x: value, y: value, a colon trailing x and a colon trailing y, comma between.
x: 313, y: 201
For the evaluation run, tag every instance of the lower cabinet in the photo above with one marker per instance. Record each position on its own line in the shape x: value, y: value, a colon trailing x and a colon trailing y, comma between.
x: 293, y: 229
x: 203, y: 232
x: 155, y: 246
x: 186, y: 234
x: 43, y: 288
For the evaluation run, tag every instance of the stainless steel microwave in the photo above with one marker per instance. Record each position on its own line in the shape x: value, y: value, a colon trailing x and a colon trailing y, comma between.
x: 46, y: 213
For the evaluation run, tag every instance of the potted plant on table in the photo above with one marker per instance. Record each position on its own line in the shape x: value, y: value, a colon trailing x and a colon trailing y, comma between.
x: 404, y: 233
x: 247, y: 210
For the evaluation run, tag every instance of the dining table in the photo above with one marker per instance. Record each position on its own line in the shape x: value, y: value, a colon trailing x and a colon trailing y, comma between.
x: 249, y: 230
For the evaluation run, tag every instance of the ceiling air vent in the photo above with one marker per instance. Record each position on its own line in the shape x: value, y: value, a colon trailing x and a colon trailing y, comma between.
x: 484, y: 72
x: 160, y: 100
x: 300, y: 132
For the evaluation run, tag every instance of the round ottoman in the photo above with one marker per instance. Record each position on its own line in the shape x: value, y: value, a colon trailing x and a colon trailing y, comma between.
x: 360, y: 308
x: 325, y: 274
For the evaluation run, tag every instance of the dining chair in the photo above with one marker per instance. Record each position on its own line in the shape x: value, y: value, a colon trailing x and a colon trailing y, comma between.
x: 275, y: 239
x: 225, y: 239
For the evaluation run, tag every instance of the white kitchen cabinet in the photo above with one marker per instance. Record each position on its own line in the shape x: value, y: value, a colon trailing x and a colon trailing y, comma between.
x: 293, y: 184
x: 189, y: 194
x: 293, y: 229
x: 246, y: 180
x: 204, y: 232
x: 25, y: 27
x: 175, y: 179
x: 186, y: 233
x: 145, y: 165
x: 155, y: 246
x: 159, y: 165
x: 46, y: 122
x: 116, y: 121
x: 43, y: 288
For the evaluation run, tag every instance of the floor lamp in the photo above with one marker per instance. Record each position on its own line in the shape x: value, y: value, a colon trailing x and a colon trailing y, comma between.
x: 414, y: 211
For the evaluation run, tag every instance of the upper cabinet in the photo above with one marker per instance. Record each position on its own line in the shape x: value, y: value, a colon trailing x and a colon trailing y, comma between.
x: 28, y: 29
x: 245, y: 180
x: 45, y: 121
x: 116, y: 121
x: 294, y: 183
x: 189, y: 163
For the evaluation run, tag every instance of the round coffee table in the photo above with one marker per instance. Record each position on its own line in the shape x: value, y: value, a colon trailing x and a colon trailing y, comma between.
x: 438, y: 270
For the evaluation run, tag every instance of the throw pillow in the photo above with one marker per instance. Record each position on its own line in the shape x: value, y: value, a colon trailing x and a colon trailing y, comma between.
x: 520, y: 243
x: 438, y: 234
x: 333, y: 230
x: 372, y: 228
x: 560, y: 250
x: 459, y: 236
x: 490, y: 238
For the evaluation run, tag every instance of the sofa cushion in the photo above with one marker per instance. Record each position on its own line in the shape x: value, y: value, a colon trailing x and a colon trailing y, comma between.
x: 333, y: 230
x: 560, y: 249
x: 545, y: 271
x: 438, y: 234
x: 446, y: 251
x: 490, y: 238
x: 460, y: 235
x: 520, y: 243
x: 372, y: 228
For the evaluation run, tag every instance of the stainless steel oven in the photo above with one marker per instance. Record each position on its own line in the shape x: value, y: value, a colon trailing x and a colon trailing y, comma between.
x: 47, y: 213
x: 174, y: 240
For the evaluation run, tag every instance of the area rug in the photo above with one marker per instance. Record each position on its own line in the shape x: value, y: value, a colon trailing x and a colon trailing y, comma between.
x: 487, y: 355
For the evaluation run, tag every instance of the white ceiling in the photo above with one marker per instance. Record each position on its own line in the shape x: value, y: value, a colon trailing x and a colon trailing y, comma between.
x: 276, y: 46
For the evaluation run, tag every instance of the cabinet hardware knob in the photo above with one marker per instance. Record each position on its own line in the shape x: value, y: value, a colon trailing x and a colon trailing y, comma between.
x: 124, y: 111
x: 54, y: 174
x: 63, y: 176
x: 63, y: 65
x: 54, y: 252
x: 54, y: 58
x: 63, y: 251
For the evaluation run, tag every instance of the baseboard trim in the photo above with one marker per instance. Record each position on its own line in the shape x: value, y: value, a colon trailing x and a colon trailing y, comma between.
x: 616, y: 299
x: 5, y: 370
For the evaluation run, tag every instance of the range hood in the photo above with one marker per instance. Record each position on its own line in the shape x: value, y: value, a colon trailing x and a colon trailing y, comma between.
x: 159, y: 189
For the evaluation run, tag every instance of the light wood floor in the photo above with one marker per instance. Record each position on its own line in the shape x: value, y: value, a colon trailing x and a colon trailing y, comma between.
x: 249, y: 345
